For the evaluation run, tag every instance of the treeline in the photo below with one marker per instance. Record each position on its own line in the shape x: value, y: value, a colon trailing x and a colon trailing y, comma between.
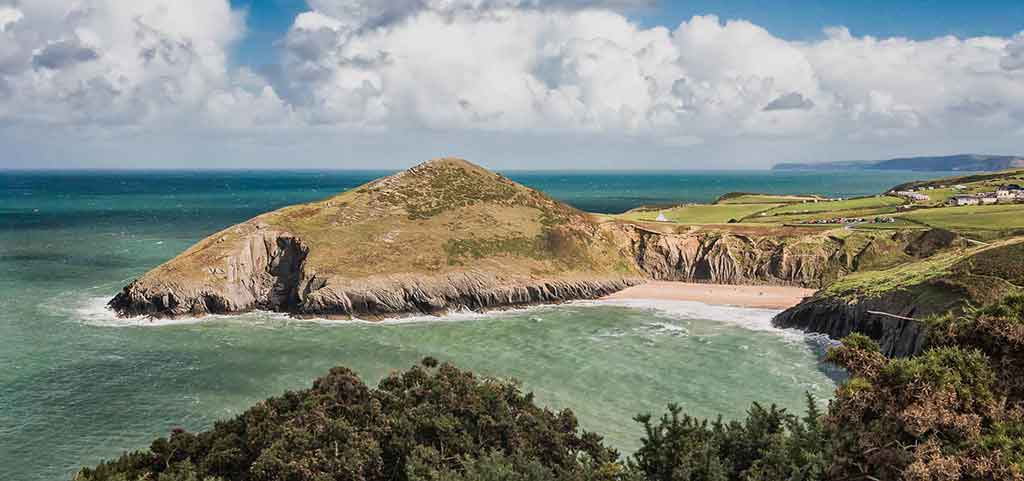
x: 955, y: 412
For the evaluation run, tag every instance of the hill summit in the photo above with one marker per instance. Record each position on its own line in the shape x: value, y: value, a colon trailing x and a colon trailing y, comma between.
x: 445, y: 234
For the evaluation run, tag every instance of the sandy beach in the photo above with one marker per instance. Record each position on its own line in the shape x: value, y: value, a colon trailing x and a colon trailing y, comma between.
x: 761, y: 297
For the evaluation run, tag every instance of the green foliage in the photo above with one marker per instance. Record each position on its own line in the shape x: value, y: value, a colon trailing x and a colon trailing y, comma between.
x: 997, y: 330
x: 497, y: 466
x: 939, y: 415
x: 415, y: 423
x: 769, y: 445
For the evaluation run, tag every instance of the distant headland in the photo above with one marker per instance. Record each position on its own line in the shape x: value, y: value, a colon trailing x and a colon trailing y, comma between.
x: 947, y: 163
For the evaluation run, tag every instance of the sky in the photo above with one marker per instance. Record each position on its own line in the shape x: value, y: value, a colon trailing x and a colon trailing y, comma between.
x: 565, y: 84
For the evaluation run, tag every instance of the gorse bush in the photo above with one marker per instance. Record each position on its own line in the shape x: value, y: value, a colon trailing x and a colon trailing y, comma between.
x: 421, y: 424
x: 770, y: 445
x: 954, y: 412
x: 950, y: 413
x: 437, y: 423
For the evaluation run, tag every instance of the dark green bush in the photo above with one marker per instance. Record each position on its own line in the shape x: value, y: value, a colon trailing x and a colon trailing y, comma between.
x: 770, y: 445
x: 415, y: 423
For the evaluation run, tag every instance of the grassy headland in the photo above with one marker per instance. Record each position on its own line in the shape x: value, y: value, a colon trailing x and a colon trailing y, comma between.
x: 982, y: 222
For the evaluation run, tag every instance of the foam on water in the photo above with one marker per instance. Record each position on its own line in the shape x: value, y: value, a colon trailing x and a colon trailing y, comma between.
x: 94, y: 311
x: 754, y: 319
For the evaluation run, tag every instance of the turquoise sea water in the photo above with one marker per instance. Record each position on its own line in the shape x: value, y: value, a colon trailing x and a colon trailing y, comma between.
x: 77, y: 385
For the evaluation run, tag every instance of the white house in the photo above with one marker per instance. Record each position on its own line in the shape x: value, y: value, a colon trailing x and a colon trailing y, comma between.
x: 914, y: 196
x: 1010, y: 192
x: 958, y: 200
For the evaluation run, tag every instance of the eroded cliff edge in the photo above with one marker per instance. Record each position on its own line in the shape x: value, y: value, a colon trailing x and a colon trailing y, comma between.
x: 786, y: 256
x: 892, y: 305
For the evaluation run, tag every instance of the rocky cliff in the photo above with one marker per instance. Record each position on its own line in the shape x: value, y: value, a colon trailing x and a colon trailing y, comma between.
x: 782, y: 258
x: 891, y: 305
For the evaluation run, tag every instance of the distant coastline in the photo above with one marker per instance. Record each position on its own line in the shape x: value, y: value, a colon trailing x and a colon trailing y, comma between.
x: 948, y: 163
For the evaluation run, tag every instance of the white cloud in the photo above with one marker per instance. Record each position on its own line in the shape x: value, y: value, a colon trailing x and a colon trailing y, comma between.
x: 1014, y: 58
x: 564, y: 70
x: 480, y: 66
x: 104, y: 63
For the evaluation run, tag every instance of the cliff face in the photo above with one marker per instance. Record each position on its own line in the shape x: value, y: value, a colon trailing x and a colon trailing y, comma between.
x: 889, y: 305
x: 268, y: 273
x: 264, y: 271
x: 811, y: 260
x: 897, y: 333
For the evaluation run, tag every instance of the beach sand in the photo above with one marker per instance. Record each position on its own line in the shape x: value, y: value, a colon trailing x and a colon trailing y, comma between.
x: 761, y: 297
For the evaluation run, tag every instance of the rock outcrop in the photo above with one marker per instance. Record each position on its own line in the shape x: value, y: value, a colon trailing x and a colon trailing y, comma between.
x: 265, y: 272
x: 887, y: 320
x: 811, y: 260
x: 891, y: 305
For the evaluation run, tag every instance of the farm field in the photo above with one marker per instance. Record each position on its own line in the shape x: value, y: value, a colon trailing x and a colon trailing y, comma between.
x: 790, y: 211
x: 842, y: 205
x: 983, y: 218
x: 700, y: 213
x: 741, y: 198
x: 797, y: 218
x: 899, y: 224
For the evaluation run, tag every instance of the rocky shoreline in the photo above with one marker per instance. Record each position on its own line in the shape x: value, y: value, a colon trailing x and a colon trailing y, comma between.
x: 267, y: 270
x: 885, y: 321
x: 268, y: 274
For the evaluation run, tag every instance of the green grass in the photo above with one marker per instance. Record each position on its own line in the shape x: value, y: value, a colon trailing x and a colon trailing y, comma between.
x: 876, y: 283
x: 742, y: 198
x: 700, y: 214
x: 900, y: 224
x: 798, y: 218
x: 971, y: 218
x: 992, y: 267
x: 837, y: 206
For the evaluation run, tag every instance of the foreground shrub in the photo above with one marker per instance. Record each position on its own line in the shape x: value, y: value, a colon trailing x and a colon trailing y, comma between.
x: 422, y: 424
x: 771, y: 445
x: 997, y: 330
x: 938, y: 416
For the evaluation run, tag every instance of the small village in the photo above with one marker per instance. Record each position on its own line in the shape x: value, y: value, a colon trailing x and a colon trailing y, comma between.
x: 1008, y: 193
x: 1004, y: 194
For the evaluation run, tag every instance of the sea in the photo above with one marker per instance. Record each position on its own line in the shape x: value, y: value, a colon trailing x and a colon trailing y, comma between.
x: 78, y: 385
